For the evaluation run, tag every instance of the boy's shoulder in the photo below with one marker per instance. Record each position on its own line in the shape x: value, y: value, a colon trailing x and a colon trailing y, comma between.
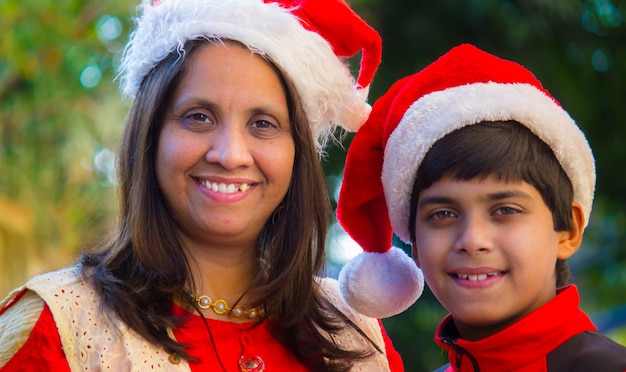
x: 588, y: 351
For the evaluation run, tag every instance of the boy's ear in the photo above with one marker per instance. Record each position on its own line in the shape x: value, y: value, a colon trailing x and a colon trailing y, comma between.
x: 570, y: 241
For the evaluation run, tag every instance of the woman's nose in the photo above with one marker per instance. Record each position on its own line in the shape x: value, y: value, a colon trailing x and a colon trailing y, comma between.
x: 230, y: 148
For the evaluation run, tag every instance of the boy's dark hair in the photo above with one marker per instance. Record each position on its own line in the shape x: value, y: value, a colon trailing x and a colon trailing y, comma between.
x: 510, y: 152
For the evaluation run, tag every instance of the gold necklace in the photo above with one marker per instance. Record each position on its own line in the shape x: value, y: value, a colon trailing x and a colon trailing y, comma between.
x: 220, y: 307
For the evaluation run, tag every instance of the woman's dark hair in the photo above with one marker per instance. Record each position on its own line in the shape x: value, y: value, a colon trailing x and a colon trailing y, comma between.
x: 142, y: 268
x: 508, y: 151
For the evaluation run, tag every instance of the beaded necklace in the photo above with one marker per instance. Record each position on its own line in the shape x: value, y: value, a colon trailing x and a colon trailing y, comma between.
x: 220, y: 307
x: 247, y: 363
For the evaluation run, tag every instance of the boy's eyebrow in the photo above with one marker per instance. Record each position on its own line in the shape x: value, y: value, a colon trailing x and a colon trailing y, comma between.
x: 507, y: 194
x: 436, y: 199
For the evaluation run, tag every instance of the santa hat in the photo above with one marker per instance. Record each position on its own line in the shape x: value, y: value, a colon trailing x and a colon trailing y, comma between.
x: 308, y: 39
x: 463, y: 87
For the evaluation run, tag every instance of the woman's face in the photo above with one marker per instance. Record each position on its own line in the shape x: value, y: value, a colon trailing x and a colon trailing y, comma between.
x: 226, y: 153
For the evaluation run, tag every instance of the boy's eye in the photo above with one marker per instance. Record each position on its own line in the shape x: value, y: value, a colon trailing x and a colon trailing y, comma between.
x: 505, y: 211
x: 442, y: 215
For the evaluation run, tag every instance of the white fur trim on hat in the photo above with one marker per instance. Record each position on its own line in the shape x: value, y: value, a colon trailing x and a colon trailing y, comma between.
x: 327, y: 88
x: 436, y: 114
x: 380, y: 285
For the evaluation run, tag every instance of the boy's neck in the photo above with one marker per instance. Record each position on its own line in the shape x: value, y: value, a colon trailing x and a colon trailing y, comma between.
x: 471, y: 332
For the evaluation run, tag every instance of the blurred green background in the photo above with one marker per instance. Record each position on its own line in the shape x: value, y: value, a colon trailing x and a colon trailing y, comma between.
x: 61, y: 115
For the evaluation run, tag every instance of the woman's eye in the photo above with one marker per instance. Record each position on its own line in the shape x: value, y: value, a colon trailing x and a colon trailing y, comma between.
x: 263, y: 124
x: 263, y: 128
x: 198, y: 121
x: 200, y: 117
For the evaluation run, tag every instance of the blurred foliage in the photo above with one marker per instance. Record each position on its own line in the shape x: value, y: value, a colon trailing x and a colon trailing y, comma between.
x: 61, y: 115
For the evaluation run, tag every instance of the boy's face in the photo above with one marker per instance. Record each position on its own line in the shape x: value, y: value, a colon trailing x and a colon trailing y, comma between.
x: 488, y: 251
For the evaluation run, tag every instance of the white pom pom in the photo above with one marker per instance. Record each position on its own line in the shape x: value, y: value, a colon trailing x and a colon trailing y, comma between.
x: 380, y: 285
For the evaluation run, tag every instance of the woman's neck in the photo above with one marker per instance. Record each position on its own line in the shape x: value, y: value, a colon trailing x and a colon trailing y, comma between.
x: 222, y: 272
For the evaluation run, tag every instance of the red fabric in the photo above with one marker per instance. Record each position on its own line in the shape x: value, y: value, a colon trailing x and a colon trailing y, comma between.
x: 252, y: 339
x: 10, y: 302
x: 42, y: 351
x: 361, y: 209
x: 395, y: 360
x: 233, y: 340
x: 462, y: 65
x: 523, y: 346
x: 344, y: 30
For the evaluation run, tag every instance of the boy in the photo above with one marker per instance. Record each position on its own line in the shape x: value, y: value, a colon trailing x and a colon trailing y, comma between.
x: 481, y: 170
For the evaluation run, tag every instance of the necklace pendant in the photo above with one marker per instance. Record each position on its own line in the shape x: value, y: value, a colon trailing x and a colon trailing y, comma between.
x: 251, y: 363
x: 220, y: 307
x: 237, y: 311
x: 204, y: 302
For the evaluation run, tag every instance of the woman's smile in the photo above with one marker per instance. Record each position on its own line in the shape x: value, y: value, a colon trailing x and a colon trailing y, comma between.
x: 226, y: 152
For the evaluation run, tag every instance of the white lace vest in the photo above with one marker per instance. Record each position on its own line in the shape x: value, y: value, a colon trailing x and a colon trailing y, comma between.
x: 94, y: 342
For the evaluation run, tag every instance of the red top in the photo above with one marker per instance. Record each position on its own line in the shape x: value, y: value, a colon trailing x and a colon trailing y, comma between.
x: 524, y: 345
x: 232, y: 340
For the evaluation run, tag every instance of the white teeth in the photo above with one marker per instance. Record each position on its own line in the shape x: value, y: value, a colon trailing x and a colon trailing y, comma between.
x: 473, y: 278
x: 224, y: 188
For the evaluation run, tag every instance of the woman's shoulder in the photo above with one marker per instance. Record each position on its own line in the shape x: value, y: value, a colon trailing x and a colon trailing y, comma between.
x: 29, y: 339
x: 22, y: 309
x: 91, y: 337
x: 372, y: 332
x: 65, y: 288
x: 370, y: 326
x: 331, y: 290
x: 28, y: 300
x: 66, y: 276
x: 19, y: 313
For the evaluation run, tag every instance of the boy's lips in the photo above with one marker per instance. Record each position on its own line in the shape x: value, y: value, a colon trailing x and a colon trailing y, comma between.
x: 473, y: 278
x: 475, y: 274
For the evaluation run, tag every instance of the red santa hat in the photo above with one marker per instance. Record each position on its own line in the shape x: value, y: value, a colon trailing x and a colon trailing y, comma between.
x: 463, y: 87
x: 308, y: 39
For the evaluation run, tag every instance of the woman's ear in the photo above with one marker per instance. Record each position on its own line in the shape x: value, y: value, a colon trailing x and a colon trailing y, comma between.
x: 570, y: 241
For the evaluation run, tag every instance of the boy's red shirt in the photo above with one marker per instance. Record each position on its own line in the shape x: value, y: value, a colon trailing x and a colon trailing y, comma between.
x: 523, y: 346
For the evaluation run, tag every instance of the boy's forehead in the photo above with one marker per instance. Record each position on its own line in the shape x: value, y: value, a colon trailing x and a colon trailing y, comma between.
x: 487, y: 188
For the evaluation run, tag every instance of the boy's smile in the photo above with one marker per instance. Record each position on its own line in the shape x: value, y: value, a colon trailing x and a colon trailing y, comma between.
x: 488, y: 250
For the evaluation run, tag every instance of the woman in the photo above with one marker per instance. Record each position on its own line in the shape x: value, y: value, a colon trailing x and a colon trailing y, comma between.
x: 224, y: 209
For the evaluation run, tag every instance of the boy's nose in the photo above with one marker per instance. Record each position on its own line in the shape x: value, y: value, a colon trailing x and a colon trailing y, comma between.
x: 473, y: 237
